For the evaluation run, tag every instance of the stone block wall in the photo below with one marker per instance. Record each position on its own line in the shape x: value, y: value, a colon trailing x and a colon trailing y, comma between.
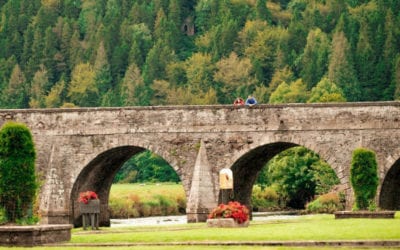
x: 80, y: 149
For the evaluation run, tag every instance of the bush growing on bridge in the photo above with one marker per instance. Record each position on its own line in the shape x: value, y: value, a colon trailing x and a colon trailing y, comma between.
x: 18, y: 183
x: 364, y: 178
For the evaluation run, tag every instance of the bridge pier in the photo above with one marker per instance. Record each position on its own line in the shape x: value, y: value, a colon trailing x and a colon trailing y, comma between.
x: 55, y: 217
x: 202, y: 197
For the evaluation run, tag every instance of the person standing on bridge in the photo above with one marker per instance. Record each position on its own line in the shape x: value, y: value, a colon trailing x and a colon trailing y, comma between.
x: 251, y: 101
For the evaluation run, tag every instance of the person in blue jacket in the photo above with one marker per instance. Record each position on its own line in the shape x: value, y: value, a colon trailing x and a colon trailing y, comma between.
x: 251, y: 101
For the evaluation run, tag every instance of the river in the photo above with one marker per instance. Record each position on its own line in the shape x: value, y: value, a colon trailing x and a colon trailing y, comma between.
x: 181, y: 219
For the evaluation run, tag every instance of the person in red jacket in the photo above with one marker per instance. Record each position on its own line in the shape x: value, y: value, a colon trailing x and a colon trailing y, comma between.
x: 238, y: 102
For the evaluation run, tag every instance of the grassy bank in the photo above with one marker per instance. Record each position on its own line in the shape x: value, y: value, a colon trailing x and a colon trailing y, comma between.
x: 142, y: 200
x: 305, y: 228
x: 308, y: 228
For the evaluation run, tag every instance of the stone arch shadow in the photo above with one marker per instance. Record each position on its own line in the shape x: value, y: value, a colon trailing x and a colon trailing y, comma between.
x: 389, y: 197
x: 98, y: 176
x: 246, y: 169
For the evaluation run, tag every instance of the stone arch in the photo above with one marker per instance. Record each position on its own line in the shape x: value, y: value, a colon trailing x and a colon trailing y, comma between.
x: 389, y: 197
x: 98, y: 176
x: 246, y: 168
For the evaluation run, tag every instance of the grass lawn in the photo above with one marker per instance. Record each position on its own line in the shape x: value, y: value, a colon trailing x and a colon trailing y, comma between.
x: 310, y: 227
x: 304, y: 228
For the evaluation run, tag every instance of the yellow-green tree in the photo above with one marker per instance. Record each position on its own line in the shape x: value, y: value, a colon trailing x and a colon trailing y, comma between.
x: 55, y: 97
x: 199, y: 72
x: 326, y: 91
x: 82, y: 89
x: 37, y: 93
x: 132, y: 87
x: 14, y: 94
x: 236, y: 75
x: 295, y: 92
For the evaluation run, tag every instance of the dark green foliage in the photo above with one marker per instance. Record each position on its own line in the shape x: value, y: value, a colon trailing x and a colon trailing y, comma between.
x: 298, y: 174
x: 146, y: 167
x: 157, y: 34
x: 262, y: 11
x: 18, y: 183
x: 364, y: 177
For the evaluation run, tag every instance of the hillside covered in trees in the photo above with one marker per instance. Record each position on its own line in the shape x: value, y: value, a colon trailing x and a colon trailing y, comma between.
x: 86, y: 53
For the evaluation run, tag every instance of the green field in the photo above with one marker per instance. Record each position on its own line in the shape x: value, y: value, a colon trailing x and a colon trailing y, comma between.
x: 143, y: 200
x: 308, y: 228
x: 146, y: 191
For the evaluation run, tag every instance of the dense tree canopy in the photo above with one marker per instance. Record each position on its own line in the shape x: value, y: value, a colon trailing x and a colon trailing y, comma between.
x: 298, y: 174
x: 146, y: 167
x: 118, y: 52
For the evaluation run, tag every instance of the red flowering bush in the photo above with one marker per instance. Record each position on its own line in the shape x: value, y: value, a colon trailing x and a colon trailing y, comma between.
x: 235, y: 210
x: 84, y: 197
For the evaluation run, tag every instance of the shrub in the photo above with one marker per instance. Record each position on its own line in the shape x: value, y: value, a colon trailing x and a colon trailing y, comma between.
x: 148, y: 200
x: 3, y: 218
x: 364, y: 177
x: 18, y: 185
x: 326, y: 203
x: 264, y: 199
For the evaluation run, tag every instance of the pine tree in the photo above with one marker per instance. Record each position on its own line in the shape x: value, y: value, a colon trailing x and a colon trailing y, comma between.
x: 55, y: 97
x: 396, y: 78
x: 82, y: 89
x: 102, y: 70
x: 199, y: 72
x: 263, y: 52
x: 314, y: 63
x: 49, y: 52
x: 365, y: 64
x: 389, y: 52
x: 141, y: 43
x: 14, y: 95
x: 341, y: 70
x: 38, y: 86
x: 156, y: 61
x: 206, y: 13
x: 132, y: 87
x: 262, y: 12
x: 175, y: 12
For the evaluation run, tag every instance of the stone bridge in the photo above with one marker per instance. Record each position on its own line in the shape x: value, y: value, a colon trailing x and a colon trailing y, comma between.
x: 82, y: 149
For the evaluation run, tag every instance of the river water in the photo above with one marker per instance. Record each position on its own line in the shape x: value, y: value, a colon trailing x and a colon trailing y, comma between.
x: 181, y: 219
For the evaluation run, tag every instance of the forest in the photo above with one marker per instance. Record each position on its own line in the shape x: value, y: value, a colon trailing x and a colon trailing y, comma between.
x: 104, y: 53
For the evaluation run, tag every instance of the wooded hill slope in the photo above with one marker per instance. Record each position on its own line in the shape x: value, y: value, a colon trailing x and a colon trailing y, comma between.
x: 56, y: 53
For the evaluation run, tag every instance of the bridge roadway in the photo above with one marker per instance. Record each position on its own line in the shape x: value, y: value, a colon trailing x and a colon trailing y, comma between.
x: 82, y: 149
